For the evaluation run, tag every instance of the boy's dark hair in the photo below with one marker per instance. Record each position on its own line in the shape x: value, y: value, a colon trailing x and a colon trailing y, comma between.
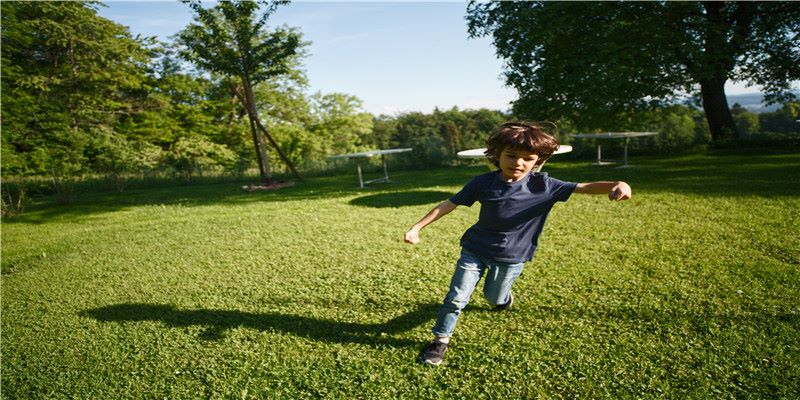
x: 526, y: 136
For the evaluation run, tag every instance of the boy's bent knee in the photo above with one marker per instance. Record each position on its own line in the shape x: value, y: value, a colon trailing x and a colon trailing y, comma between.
x: 455, y: 303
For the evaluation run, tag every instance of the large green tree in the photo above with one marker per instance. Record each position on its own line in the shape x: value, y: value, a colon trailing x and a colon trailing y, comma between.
x: 231, y: 39
x: 67, y: 75
x: 593, y: 60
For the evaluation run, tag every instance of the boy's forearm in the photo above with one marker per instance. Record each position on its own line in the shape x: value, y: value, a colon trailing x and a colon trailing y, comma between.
x: 601, y: 187
x: 437, y: 212
x: 616, y: 190
x: 412, y: 236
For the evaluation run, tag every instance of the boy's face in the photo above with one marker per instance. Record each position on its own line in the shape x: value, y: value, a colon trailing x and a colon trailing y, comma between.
x: 515, y: 164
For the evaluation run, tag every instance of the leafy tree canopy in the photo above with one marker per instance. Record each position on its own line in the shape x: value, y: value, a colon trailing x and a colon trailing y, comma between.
x: 66, y: 73
x: 232, y: 39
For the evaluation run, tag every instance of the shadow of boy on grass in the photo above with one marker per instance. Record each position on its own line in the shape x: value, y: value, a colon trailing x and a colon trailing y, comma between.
x: 218, y: 321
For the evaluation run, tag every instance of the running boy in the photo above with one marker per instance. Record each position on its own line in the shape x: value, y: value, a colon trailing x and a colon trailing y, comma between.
x: 514, y: 206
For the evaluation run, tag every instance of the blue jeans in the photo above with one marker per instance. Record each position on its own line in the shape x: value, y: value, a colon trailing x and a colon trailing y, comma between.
x: 469, y: 270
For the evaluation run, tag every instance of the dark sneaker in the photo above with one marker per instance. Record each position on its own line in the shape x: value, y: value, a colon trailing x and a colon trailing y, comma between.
x: 503, y: 307
x: 433, y: 353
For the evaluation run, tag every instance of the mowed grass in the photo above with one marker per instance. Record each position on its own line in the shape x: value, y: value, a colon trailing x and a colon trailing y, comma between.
x: 689, y: 290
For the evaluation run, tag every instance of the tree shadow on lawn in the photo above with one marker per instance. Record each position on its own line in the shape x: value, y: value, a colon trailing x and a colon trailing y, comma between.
x: 219, y: 321
x: 401, y: 199
x: 95, y: 201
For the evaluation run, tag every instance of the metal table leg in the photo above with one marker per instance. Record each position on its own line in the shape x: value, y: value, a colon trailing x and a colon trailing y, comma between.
x: 385, y: 171
x: 599, y: 155
x: 625, y: 154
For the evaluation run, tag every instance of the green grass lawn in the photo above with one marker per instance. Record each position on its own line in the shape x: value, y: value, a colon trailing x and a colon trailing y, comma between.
x: 689, y: 290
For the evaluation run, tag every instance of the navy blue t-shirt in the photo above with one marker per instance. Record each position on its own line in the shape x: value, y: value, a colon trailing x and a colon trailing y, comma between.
x: 512, y: 214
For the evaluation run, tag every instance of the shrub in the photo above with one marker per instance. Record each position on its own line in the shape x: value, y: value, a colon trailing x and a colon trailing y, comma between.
x: 196, y: 154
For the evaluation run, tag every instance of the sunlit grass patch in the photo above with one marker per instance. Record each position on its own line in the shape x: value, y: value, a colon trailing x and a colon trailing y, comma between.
x: 689, y: 290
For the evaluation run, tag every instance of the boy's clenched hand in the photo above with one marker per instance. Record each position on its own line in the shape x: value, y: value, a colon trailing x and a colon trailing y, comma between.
x: 622, y: 191
x: 412, y: 236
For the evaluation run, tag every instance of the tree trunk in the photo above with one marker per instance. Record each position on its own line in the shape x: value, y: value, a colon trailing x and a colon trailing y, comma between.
x: 718, y: 114
x: 262, y: 131
x: 259, y: 145
x: 258, y: 138
x: 718, y: 62
x: 263, y: 157
x: 285, y: 159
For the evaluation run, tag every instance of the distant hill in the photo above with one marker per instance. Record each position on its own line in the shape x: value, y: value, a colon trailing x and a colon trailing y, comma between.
x: 753, y: 102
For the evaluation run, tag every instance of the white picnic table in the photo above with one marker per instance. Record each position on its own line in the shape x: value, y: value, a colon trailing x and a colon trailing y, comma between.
x: 481, y: 153
x: 613, y: 135
x: 371, y: 153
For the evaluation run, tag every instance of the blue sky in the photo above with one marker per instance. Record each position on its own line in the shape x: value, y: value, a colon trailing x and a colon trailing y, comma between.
x: 394, y: 56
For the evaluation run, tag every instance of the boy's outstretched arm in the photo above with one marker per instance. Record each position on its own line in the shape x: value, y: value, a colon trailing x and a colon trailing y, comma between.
x: 617, y: 190
x: 412, y: 236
